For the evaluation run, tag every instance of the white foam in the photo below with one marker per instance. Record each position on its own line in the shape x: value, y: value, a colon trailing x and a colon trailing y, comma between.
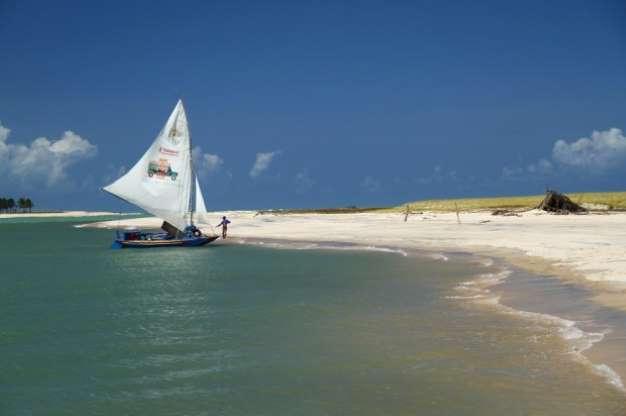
x: 492, y: 279
x: 323, y: 246
x: 387, y: 250
x: 571, y: 332
x: 465, y: 297
x: 439, y: 256
x: 311, y: 246
x: 491, y: 300
x: 477, y: 290
x: 610, y: 375
x: 577, y: 339
x: 487, y: 262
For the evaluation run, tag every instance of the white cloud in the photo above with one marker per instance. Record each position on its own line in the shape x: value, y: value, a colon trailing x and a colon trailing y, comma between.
x: 44, y: 159
x: 605, y: 149
x: 512, y: 172
x: 438, y: 175
x: 304, y: 182
x: 206, y: 163
x: 370, y: 184
x: 542, y: 167
x: 4, y: 134
x: 113, y: 173
x: 212, y: 162
x: 262, y: 162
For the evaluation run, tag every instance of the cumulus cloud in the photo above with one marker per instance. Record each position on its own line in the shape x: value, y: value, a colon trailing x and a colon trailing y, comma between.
x: 212, y: 162
x: 4, y: 134
x: 206, y: 163
x: 438, y: 175
x: 542, y: 167
x: 597, y: 154
x: 604, y: 150
x: 370, y: 184
x: 45, y: 160
x: 304, y: 182
x: 262, y: 163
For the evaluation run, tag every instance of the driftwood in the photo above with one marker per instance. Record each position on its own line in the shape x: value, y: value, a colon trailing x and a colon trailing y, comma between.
x: 506, y: 213
x: 559, y: 204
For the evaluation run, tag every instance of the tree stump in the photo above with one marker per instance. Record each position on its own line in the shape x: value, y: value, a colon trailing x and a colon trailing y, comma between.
x: 559, y: 204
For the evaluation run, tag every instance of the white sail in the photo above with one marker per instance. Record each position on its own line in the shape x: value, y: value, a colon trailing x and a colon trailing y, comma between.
x: 200, y: 214
x: 161, y: 182
x: 200, y: 207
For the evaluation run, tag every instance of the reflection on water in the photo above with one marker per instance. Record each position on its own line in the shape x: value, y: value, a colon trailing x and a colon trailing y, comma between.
x: 242, y: 330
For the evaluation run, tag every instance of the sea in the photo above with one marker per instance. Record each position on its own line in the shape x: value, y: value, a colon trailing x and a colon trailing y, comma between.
x: 276, y: 328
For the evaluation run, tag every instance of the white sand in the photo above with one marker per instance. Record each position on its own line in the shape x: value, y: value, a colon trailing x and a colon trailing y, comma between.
x: 593, y: 245
x: 57, y: 214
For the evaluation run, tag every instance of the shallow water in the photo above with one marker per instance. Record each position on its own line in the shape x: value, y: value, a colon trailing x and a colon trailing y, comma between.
x: 240, y: 330
x: 594, y: 330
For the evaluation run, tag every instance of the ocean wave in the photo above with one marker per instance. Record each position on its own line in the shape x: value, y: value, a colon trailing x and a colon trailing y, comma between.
x: 577, y: 339
x: 464, y: 297
x: 387, y: 250
x: 291, y: 245
x: 487, y: 262
x: 610, y: 375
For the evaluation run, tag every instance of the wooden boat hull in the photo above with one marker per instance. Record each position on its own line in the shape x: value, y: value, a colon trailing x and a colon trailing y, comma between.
x: 184, y: 242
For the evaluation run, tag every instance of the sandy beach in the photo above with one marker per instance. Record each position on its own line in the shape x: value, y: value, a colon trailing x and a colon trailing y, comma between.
x: 590, y: 246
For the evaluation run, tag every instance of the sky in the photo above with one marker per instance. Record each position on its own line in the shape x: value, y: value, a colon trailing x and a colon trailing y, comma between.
x: 315, y: 104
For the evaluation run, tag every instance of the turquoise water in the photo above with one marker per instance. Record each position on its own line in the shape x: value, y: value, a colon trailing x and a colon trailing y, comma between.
x: 248, y: 330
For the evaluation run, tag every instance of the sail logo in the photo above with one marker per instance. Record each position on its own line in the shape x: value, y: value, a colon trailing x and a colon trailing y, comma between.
x: 161, y: 169
x: 167, y: 151
x: 173, y: 135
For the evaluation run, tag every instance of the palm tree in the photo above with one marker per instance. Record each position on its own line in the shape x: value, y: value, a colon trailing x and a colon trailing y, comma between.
x: 29, y: 205
x: 11, y: 204
x: 21, y: 203
x: 3, y: 204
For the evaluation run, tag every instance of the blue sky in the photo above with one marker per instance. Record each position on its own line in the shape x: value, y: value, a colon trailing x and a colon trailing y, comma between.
x: 336, y: 103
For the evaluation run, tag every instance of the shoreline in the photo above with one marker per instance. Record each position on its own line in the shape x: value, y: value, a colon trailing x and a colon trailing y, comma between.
x: 393, y: 308
x: 590, y: 248
x: 592, y: 256
x: 485, y: 291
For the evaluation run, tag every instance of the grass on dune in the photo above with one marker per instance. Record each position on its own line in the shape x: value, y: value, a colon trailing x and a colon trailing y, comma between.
x: 602, y: 200
x: 612, y: 200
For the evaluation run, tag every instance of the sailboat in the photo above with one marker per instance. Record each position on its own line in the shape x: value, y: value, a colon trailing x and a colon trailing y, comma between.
x: 163, y: 183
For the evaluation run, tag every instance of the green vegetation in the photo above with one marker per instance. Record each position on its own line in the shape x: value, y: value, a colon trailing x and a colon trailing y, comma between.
x: 346, y: 210
x: 601, y: 200
x: 592, y: 200
x: 8, y: 205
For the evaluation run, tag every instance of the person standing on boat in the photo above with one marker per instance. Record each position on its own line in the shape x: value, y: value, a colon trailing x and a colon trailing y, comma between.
x: 224, y: 225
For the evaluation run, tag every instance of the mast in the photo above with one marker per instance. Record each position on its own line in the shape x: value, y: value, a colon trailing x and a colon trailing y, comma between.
x: 162, y: 182
x: 192, y: 192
